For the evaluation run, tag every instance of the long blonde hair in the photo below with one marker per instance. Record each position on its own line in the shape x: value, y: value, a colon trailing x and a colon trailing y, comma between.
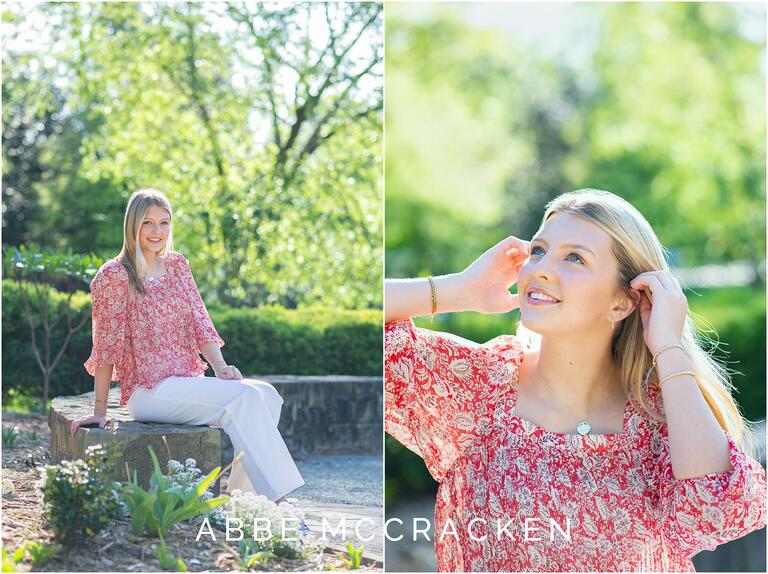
x: 638, y: 250
x: 131, y: 255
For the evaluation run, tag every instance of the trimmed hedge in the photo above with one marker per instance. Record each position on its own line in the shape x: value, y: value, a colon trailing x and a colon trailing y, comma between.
x: 264, y: 341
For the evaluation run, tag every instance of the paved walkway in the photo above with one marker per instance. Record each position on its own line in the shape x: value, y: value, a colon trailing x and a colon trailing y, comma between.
x: 340, y: 491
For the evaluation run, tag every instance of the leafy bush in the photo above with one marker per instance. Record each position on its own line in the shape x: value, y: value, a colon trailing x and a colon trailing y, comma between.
x: 79, y: 501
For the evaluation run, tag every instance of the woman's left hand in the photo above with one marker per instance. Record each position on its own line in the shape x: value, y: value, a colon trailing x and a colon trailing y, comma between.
x: 228, y: 372
x: 663, y: 308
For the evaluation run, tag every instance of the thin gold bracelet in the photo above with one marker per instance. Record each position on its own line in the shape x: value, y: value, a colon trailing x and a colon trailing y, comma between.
x: 433, y: 292
x: 664, y: 349
x: 665, y: 379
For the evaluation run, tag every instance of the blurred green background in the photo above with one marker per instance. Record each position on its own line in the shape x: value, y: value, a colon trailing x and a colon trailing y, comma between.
x: 493, y: 109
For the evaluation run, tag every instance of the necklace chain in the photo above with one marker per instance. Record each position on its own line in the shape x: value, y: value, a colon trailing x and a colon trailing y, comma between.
x: 583, y: 428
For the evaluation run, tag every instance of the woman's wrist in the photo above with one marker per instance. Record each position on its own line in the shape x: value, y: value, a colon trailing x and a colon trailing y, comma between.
x: 218, y: 364
x: 453, y: 293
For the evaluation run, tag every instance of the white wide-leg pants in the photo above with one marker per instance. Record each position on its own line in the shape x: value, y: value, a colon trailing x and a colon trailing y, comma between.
x: 248, y: 410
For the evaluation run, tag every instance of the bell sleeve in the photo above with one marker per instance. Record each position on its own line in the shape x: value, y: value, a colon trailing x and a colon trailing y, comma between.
x: 205, y: 332
x: 109, y: 319
x: 441, y: 390
x: 700, y: 513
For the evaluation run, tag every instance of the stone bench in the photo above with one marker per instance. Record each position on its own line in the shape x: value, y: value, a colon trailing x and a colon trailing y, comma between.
x: 185, y: 441
x: 321, y: 415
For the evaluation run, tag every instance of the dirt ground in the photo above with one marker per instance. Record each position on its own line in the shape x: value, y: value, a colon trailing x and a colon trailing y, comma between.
x: 116, y: 548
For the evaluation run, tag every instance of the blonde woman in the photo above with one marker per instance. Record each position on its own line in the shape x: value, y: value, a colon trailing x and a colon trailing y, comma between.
x: 612, y: 445
x: 150, y: 327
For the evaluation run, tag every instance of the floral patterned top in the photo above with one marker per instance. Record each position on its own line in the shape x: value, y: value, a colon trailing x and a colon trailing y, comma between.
x: 155, y: 336
x: 509, y: 490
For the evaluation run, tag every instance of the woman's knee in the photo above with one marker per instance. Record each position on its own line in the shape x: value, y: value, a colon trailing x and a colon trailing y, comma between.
x: 265, y: 389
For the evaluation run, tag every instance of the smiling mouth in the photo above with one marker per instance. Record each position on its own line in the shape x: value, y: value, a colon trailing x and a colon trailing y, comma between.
x: 536, y: 297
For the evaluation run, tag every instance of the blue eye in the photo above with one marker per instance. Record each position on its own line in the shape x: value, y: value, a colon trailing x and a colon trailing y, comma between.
x: 578, y: 257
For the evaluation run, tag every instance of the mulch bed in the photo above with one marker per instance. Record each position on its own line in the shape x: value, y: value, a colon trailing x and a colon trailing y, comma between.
x: 115, y: 548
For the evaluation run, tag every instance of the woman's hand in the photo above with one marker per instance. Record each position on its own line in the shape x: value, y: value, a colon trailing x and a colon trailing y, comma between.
x: 88, y: 419
x: 228, y: 372
x: 663, y: 308
x: 490, y: 276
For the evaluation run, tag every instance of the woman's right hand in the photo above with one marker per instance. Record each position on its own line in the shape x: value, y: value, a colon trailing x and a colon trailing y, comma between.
x: 490, y: 276
x: 89, y: 419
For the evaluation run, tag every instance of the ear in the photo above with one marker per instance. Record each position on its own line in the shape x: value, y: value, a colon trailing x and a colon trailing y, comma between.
x: 624, y: 304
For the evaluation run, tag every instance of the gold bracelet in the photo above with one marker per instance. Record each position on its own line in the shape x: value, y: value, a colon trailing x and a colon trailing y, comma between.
x: 433, y: 292
x: 665, y: 379
x: 100, y: 401
x: 664, y: 349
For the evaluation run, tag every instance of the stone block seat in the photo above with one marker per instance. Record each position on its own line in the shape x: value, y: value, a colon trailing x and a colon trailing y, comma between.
x: 202, y: 443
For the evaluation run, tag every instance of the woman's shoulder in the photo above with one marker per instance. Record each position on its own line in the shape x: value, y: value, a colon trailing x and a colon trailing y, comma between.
x: 400, y: 333
x: 111, y: 272
x: 176, y: 261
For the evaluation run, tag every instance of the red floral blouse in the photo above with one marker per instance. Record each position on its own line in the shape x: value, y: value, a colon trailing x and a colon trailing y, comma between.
x: 157, y: 335
x: 510, y: 489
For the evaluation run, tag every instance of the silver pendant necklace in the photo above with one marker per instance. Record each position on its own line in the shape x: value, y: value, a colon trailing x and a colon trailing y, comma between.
x: 583, y: 428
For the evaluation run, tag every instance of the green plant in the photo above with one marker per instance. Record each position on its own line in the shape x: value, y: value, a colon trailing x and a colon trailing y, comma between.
x: 79, y: 501
x: 187, y: 477
x: 41, y: 272
x: 164, y: 503
x: 167, y: 560
x: 351, y: 560
x: 10, y: 434
x: 32, y: 435
x: 10, y: 561
x: 42, y: 553
x: 247, y: 554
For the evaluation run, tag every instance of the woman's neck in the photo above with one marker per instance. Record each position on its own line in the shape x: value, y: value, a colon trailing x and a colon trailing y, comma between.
x: 578, y: 372
x: 152, y: 260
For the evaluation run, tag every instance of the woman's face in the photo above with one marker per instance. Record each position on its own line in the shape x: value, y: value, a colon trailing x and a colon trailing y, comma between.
x: 570, y: 260
x: 155, y: 229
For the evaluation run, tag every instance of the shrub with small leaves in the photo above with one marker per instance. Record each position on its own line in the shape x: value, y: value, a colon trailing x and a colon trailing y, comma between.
x: 79, y: 500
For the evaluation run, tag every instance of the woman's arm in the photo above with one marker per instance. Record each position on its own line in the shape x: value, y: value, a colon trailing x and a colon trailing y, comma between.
x: 405, y: 298
x: 697, y: 444
x: 482, y: 287
x: 102, y: 378
x: 212, y: 353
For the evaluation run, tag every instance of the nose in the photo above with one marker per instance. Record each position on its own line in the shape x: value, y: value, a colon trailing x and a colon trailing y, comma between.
x: 541, y: 268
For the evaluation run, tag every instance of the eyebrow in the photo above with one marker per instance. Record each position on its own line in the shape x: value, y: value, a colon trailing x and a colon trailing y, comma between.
x: 566, y: 245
